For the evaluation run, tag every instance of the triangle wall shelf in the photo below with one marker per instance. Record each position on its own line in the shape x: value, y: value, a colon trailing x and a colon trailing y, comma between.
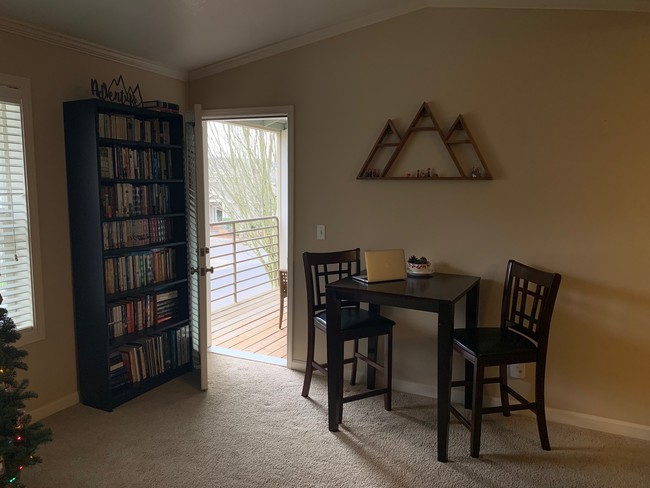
x: 460, y: 146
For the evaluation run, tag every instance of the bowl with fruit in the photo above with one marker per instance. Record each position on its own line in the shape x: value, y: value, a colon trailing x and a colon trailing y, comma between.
x: 419, y: 266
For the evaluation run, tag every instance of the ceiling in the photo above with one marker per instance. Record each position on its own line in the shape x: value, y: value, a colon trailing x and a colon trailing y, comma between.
x: 186, y: 37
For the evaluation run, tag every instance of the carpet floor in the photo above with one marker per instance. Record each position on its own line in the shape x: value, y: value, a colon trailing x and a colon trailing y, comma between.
x: 253, y: 429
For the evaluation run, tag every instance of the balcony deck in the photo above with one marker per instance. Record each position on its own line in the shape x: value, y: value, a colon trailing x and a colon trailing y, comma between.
x: 252, y: 326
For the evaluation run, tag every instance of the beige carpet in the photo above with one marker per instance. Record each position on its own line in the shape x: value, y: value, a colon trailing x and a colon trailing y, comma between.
x: 253, y: 429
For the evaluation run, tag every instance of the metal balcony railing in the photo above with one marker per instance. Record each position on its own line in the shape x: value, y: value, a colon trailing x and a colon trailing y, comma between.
x: 245, y: 255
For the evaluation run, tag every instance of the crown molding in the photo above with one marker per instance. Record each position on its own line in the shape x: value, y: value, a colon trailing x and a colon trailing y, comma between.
x: 310, y: 38
x: 405, y: 8
x: 72, y: 43
x: 607, y: 5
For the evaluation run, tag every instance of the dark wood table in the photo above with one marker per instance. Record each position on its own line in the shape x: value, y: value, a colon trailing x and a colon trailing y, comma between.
x: 438, y: 293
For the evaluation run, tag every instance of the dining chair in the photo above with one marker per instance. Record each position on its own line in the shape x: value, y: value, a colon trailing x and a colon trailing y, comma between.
x: 522, y: 337
x: 356, y: 323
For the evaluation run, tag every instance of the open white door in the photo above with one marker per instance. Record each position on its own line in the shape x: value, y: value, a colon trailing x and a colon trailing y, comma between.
x: 198, y: 236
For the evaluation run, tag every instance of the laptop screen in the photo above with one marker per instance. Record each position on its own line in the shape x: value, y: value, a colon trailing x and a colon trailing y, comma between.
x: 384, y: 265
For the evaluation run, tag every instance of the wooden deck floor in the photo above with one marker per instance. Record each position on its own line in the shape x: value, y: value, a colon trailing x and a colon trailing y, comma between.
x: 252, y: 326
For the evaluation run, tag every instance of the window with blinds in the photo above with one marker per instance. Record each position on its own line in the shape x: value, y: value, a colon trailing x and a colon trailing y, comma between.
x: 16, y: 284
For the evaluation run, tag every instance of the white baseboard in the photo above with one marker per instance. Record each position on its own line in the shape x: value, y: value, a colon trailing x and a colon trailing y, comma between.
x: 298, y: 365
x: 414, y: 388
x: 602, y: 424
x: 54, y: 407
x: 577, y: 419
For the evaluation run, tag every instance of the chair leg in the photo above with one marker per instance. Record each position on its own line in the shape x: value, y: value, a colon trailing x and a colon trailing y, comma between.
x: 282, y: 276
x: 503, y: 382
x: 309, y: 369
x: 540, y: 410
x: 353, y: 378
x: 388, y: 370
x: 281, y: 312
x: 341, y: 382
x: 477, y: 407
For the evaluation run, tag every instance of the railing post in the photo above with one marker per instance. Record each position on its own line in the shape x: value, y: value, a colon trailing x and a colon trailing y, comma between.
x: 263, y: 234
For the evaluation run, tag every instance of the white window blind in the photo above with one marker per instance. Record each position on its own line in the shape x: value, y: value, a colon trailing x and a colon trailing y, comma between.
x: 16, y: 284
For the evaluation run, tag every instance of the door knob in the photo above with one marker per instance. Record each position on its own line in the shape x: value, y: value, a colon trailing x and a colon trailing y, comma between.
x: 207, y: 270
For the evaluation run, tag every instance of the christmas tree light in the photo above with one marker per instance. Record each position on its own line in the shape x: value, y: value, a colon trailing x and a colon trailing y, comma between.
x: 19, y: 438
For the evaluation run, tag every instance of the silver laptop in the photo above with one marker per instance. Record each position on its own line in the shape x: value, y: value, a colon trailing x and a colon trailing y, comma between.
x: 384, y: 265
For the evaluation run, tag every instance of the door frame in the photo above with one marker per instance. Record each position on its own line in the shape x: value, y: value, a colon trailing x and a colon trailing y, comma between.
x: 275, y: 111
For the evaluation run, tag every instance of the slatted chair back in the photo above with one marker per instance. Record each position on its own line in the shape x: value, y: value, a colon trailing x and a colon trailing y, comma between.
x: 327, y: 267
x: 528, y: 300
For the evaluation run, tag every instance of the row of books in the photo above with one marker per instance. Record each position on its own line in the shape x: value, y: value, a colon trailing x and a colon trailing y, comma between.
x: 126, y: 273
x: 131, y: 128
x: 135, y: 314
x: 167, y: 305
x: 128, y: 200
x: 150, y: 356
x: 137, y: 232
x: 129, y: 163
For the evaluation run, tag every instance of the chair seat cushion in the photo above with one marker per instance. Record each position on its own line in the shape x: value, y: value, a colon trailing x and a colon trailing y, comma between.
x: 356, y: 318
x: 492, y: 341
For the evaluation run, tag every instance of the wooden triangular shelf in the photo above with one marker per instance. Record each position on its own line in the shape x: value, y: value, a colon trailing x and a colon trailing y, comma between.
x: 459, y: 133
x: 389, y: 138
x: 424, y: 120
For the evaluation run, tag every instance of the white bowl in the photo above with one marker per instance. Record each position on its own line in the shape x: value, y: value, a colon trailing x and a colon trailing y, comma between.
x: 415, y: 269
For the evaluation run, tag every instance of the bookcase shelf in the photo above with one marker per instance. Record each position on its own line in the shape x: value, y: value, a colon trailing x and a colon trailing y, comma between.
x: 126, y: 198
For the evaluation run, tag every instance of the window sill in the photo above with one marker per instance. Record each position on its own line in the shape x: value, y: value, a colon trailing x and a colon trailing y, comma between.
x: 29, y: 336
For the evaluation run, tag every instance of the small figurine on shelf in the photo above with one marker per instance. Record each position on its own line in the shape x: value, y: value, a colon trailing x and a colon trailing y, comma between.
x: 476, y: 172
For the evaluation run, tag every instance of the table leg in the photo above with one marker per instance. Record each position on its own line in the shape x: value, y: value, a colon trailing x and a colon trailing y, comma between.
x: 334, y: 359
x: 471, y: 320
x: 372, y: 351
x: 445, y: 341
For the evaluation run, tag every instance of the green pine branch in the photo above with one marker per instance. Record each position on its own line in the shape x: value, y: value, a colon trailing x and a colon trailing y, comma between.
x: 19, y: 437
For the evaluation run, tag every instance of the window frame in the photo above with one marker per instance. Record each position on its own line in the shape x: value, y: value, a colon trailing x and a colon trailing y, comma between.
x: 18, y: 89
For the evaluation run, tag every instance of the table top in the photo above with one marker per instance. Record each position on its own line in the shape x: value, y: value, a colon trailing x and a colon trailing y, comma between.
x: 420, y: 293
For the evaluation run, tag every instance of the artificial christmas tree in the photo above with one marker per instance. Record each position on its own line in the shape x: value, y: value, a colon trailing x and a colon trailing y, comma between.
x: 19, y: 438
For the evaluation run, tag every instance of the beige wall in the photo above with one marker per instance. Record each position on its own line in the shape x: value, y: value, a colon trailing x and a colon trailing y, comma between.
x: 58, y: 75
x: 559, y: 104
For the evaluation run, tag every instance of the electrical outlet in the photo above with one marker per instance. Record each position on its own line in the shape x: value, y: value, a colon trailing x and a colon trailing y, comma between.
x: 320, y: 232
x: 517, y: 370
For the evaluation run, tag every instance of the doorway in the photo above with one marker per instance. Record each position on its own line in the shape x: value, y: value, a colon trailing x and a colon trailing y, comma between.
x: 247, y: 156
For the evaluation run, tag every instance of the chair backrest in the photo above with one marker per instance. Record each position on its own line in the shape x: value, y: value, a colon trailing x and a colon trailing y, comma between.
x: 322, y: 268
x: 528, y: 301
